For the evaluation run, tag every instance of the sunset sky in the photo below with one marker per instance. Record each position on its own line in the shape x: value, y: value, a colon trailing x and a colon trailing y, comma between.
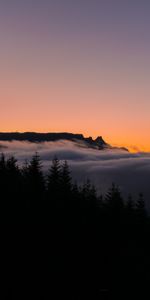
x: 81, y: 66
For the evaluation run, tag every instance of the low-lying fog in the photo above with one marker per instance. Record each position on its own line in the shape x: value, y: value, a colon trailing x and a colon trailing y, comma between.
x: 131, y: 171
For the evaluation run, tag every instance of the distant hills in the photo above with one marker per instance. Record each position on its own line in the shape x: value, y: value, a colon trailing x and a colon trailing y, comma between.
x: 36, y: 137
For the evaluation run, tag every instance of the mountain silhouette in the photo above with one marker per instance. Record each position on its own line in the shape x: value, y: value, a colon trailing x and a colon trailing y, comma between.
x: 36, y: 137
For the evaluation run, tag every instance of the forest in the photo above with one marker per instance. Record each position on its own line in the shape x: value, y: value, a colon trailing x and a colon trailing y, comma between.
x: 60, y: 239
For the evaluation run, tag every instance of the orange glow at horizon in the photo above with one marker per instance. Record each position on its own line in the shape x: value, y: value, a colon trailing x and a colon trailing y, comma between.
x: 70, y: 105
x: 131, y: 142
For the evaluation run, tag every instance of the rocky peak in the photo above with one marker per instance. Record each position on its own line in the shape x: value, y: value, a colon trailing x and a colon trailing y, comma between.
x: 99, y: 141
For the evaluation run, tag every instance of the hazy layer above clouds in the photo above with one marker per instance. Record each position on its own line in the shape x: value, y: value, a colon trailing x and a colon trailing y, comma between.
x: 131, y: 171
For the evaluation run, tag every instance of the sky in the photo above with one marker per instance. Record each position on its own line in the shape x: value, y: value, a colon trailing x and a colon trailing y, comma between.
x: 79, y: 66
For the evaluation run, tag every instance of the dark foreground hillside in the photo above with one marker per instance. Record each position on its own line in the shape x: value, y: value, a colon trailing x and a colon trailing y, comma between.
x: 59, y: 240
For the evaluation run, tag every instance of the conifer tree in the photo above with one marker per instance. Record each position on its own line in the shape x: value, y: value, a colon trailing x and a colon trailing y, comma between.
x: 53, y: 178
x: 2, y: 172
x: 3, y: 187
x: 54, y: 184
x: 66, y: 184
x: 140, y: 208
x: 35, y: 174
x: 2, y: 162
x: 35, y: 185
x: 113, y: 199
x: 76, y: 200
x: 13, y: 188
x: 130, y: 203
x: 65, y: 176
x: 114, y: 207
x: 130, y: 208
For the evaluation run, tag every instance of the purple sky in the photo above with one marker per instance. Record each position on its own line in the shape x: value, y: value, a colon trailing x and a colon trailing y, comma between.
x: 80, y: 66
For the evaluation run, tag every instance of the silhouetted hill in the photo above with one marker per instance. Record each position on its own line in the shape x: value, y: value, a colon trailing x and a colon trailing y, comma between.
x: 36, y: 137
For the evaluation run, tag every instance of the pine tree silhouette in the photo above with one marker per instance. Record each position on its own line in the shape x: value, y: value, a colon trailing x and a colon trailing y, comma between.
x: 130, y: 204
x: 66, y: 186
x: 35, y: 186
x: 14, y: 189
x: 35, y: 174
x: 114, y: 200
x: 53, y: 178
x: 3, y: 188
x: 66, y: 178
x: 54, y: 200
x: 140, y: 208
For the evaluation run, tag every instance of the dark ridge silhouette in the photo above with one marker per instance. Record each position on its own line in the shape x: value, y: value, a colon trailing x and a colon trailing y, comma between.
x: 38, y: 137
x: 64, y: 241
x: 35, y: 137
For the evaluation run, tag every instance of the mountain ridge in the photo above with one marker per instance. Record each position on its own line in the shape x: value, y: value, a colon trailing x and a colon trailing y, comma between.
x: 36, y: 137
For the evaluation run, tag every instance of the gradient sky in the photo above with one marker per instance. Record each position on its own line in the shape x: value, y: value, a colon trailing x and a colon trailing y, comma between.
x: 76, y: 65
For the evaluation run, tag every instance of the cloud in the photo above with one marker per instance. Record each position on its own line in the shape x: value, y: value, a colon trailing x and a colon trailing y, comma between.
x: 131, y: 171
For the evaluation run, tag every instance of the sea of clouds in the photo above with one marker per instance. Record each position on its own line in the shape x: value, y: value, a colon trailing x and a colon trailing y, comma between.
x: 130, y: 171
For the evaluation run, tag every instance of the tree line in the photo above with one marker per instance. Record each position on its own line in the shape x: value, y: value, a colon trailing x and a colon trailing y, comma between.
x: 29, y: 195
x: 73, y: 242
